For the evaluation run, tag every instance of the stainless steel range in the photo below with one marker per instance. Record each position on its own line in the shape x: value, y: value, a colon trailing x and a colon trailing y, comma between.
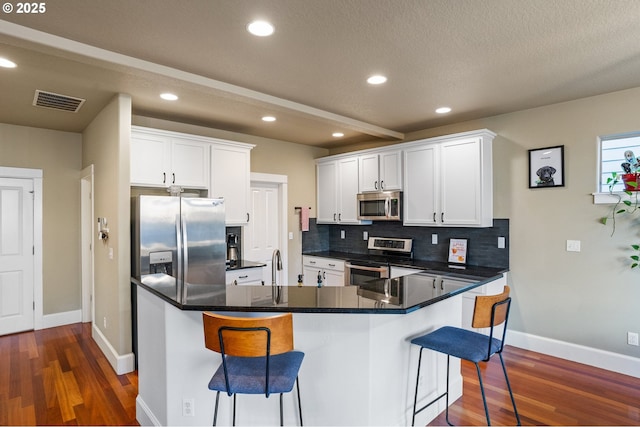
x: 375, y: 264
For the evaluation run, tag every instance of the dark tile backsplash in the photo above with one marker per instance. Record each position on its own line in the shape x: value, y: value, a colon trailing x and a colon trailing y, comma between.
x: 482, y: 245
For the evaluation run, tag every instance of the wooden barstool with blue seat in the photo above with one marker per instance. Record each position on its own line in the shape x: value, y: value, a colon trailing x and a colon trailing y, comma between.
x: 489, y: 311
x: 257, y: 357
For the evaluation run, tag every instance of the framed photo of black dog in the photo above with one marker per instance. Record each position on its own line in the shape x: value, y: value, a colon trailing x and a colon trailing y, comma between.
x: 546, y: 167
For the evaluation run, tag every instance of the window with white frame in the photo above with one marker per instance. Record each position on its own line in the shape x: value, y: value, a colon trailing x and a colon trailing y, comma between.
x: 620, y: 154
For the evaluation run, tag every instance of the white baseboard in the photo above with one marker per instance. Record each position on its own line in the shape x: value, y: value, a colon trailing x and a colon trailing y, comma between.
x: 144, y: 416
x: 61, y: 319
x: 610, y: 361
x: 122, y: 364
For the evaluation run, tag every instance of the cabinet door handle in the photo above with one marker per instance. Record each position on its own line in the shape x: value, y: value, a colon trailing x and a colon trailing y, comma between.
x: 434, y: 217
x: 382, y: 185
x: 434, y: 283
x: 332, y: 265
x: 334, y: 216
x: 174, y: 178
x: 339, y: 217
x: 247, y: 216
x: 164, y: 177
x: 442, y: 217
x: 375, y: 185
x: 235, y: 282
x: 312, y: 262
x: 243, y: 277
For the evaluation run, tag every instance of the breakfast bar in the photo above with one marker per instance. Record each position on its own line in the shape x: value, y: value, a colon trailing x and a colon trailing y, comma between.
x: 359, y: 366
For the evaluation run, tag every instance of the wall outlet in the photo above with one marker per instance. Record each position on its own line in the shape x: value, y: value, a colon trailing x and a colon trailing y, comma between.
x: 632, y: 338
x: 342, y: 235
x: 434, y: 239
x: 104, y: 322
x: 365, y: 235
x: 501, y: 242
x: 188, y: 407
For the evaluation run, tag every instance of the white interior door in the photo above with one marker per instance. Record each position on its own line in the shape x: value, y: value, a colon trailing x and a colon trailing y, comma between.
x: 261, y: 237
x: 16, y: 255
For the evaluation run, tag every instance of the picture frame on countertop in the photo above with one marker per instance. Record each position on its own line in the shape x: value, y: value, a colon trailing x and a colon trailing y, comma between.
x: 457, y: 253
x: 546, y: 167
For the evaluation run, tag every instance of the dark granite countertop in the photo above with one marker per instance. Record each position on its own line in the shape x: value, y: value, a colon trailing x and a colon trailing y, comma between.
x: 242, y: 264
x: 401, y: 295
x: 434, y: 267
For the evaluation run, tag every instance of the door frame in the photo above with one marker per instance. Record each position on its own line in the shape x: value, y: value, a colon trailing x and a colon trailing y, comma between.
x: 35, y: 175
x: 283, y: 243
x: 87, y: 234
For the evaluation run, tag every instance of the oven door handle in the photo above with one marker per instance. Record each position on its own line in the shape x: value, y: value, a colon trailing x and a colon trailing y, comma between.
x: 361, y: 267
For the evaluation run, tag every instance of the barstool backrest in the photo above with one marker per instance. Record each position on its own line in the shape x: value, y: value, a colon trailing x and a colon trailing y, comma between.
x: 484, y: 307
x: 246, y: 337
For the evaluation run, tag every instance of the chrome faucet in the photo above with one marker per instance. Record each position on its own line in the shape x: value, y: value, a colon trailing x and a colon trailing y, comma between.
x: 276, y: 265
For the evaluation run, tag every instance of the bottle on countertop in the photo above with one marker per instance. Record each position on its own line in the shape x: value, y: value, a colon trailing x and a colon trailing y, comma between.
x: 319, y: 279
x: 300, y: 280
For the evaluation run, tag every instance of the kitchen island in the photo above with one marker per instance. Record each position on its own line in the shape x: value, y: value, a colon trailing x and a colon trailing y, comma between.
x: 359, y: 366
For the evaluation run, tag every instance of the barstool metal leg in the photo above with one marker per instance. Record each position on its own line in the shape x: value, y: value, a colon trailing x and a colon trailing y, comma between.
x: 281, y: 422
x: 299, y: 403
x: 234, y: 409
x: 215, y: 412
x: 415, y: 397
x: 484, y: 398
x: 513, y: 402
x: 447, y: 393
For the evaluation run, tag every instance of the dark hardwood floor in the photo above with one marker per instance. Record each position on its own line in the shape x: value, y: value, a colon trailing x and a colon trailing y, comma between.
x: 58, y: 376
x: 548, y: 391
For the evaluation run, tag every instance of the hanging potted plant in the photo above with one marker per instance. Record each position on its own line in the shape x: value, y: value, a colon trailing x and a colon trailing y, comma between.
x: 629, y: 204
x: 631, y: 175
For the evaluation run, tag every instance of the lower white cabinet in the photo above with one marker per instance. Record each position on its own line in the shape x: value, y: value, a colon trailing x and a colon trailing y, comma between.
x: 245, y: 276
x: 328, y: 270
x: 241, y: 293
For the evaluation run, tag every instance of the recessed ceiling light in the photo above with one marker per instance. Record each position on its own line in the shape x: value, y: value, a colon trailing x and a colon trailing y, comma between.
x: 376, y: 79
x: 5, y: 63
x: 260, y: 28
x: 169, y: 97
x: 337, y: 134
x: 443, y: 110
x: 268, y: 119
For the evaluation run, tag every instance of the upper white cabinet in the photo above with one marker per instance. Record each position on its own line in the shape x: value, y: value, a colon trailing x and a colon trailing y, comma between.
x: 380, y: 171
x: 337, y: 188
x: 161, y: 159
x: 448, y: 181
x: 231, y: 179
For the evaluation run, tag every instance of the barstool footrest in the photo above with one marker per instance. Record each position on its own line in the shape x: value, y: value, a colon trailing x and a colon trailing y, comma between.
x: 430, y: 403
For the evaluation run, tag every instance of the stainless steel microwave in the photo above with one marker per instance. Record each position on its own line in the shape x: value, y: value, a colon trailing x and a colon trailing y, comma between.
x: 380, y: 206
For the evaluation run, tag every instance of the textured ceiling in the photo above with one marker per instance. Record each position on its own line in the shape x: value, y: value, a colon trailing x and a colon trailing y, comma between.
x: 479, y: 57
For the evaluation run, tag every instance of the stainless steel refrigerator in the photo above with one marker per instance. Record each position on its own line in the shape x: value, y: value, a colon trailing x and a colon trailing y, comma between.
x: 178, y: 243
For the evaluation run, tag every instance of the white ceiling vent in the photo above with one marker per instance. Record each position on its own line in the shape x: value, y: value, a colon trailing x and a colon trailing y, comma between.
x: 57, y: 102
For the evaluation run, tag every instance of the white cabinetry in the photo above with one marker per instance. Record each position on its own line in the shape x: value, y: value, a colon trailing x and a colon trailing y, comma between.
x: 337, y: 188
x: 231, y: 179
x: 448, y: 181
x: 330, y: 271
x: 245, y: 276
x: 161, y: 159
x: 241, y: 293
x: 380, y: 171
